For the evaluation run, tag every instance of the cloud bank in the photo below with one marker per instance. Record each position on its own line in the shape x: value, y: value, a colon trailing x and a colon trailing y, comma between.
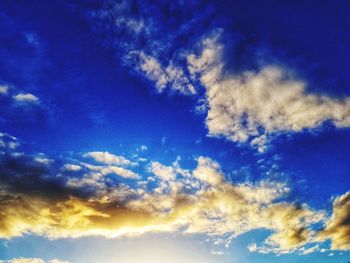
x: 59, y: 200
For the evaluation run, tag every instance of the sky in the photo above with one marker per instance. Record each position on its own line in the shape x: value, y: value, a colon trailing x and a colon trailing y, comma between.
x: 174, y: 131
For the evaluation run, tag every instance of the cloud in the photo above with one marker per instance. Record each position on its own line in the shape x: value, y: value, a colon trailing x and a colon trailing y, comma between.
x: 108, y: 158
x: 310, y: 250
x: 8, y: 142
x: 246, y: 106
x: 201, y: 201
x: 26, y: 98
x: 4, y: 89
x: 337, y: 228
x: 42, y: 198
x: 32, y: 260
x: 144, y: 42
x: 217, y: 252
x: 72, y: 167
x: 166, y: 173
x: 26, y: 260
x: 255, y: 105
x: 170, y: 76
x: 208, y: 171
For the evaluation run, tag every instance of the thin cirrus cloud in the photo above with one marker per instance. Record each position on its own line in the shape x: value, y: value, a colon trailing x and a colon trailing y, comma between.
x: 45, y: 202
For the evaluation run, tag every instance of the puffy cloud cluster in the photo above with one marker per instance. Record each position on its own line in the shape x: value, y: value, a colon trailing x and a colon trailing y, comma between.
x: 253, y: 105
x: 80, y: 200
x: 57, y: 199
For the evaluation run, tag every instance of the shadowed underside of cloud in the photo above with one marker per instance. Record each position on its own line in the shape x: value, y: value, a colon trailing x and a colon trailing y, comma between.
x: 37, y: 197
x: 337, y: 228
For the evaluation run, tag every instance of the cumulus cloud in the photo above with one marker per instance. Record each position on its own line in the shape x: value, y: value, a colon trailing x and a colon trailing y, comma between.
x: 58, y: 201
x: 108, y: 158
x: 337, y: 228
x: 249, y: 107
x: 166, y: 173
x: 208, y: 171
x: 200, y: 201
x: 72, y: 167
x: 26, y: 98
x: 253, y: 105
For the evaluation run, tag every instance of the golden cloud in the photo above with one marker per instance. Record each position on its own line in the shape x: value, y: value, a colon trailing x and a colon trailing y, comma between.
x: 337, y: 228
x: 201, y: 201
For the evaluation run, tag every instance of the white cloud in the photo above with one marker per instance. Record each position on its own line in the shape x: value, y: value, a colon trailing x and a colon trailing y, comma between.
x: 72, y: 167
x: 95, y: 177
x: 142, y: 148
x: 120, y: 171
x: 26, y: 98
x: 313, y: 249
x: 255, y: 105
x: 217, y: 252
x: 42, y: 159
x: 167, y: 173
x: 171, y: 75
x: 134, y: 26
x: 4, y: 89
x: 108, y: 158
x: 208, y: 171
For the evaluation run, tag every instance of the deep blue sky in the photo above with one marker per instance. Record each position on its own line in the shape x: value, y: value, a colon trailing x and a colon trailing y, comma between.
x: 93, y: 98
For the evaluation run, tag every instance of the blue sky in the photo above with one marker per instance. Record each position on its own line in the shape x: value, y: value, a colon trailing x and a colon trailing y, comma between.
x: 198, y: 131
